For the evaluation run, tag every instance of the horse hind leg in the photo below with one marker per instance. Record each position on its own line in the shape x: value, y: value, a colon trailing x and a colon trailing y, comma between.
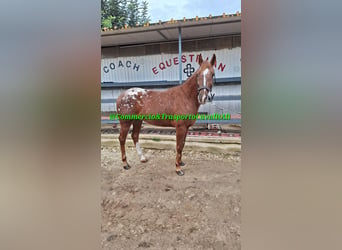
x: 181, y: 133
x: 124, y: 128
x: 135, y: 136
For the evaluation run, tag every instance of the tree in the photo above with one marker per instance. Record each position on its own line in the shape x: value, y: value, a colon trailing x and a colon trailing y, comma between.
x: 144, y: 18
x: 116, y: 10
x: 124, y: 13
x: 118, y: 13
x: 133, y: 13
x: 104, y: 9
x: 104, y: 14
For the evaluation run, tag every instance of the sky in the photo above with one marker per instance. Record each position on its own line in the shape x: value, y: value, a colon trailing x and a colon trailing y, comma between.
x: 177, y: 9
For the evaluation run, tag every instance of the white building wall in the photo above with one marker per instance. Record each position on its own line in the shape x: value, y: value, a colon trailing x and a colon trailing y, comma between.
x: 164, y: 67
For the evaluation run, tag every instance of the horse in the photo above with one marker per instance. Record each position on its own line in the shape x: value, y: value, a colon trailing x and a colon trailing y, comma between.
x: 184, y: 99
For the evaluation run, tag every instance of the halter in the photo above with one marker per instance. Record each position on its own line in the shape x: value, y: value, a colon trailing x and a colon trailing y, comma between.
x: 210, y: 94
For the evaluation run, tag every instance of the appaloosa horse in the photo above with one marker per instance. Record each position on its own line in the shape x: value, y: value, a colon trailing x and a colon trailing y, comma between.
x: 184, y: 99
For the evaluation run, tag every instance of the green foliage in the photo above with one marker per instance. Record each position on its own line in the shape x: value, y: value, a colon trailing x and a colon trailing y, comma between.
x: 118, y: 13
x: 107, y: 22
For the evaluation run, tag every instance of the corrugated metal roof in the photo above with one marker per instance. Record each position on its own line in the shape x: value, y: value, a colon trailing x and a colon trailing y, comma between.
x: 168, y: 31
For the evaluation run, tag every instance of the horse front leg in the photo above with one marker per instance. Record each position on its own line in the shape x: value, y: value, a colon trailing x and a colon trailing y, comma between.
x: 180, y: 138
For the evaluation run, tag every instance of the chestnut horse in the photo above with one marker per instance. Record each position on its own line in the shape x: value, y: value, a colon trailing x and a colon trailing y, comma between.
x: 184, y: 99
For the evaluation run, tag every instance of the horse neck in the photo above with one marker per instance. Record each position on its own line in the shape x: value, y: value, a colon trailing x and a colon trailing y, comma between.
x: 190, y: 89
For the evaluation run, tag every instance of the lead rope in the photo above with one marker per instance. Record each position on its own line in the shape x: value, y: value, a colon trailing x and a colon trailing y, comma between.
x: 212, y: 103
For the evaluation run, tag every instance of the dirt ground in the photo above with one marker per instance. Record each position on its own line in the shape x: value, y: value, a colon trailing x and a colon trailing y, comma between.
x: 149, y: 206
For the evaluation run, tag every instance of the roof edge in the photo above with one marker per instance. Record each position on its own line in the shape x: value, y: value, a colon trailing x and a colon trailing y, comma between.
x: 175, y: 24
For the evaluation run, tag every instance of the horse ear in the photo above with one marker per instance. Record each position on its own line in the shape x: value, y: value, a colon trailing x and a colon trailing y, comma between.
x: 213, y: 60
x: 200, y: 60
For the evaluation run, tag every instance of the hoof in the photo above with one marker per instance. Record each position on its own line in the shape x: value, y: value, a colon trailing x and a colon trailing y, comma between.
x: 180, y: 172
x: 127, y: 167
x: 182, y: 164
x: 144, y: 160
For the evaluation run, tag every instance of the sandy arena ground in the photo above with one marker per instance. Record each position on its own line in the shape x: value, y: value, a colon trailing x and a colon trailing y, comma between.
x: 149, y: 206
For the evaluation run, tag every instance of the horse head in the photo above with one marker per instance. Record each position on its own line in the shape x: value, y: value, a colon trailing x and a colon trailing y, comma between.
x: 205, y: 78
